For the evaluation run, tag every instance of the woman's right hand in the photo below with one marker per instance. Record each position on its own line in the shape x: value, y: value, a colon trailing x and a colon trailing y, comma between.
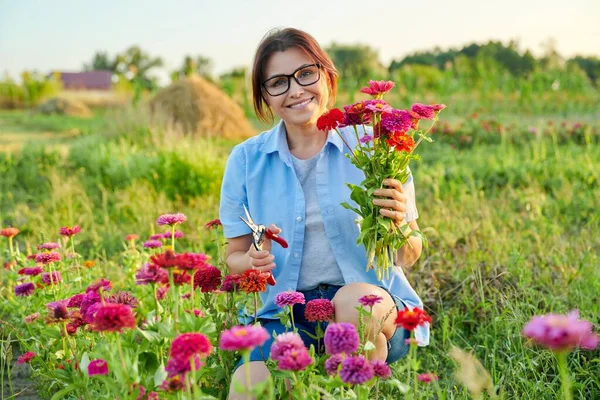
x: 263, y: 260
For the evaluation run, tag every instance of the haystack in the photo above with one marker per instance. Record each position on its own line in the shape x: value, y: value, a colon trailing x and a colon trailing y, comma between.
x: 198, y: 107
x: 63, y: 106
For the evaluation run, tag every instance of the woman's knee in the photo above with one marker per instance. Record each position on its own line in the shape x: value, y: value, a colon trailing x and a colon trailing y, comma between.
x: 258, y: 373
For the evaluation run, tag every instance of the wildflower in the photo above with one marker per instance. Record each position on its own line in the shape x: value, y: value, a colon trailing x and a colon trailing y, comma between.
x: 377, y: 106
x: 341, y: 338
x: 356, y: 114
x: 213, y: 224
x: 57, y: 311
x: 396, y: 121
x: 295, y: 360
x: 366, y: 139
x: 26, y: 357
x: 319, y: 310
x: 410, y: 319
x: 377, y: 88
x: 370, y: 300
x: 123, y: 297
x: 32, y: 317
x: 88, y: 300
x: 330, y: 120
x: 289, y: 298
x: 97, y: 367
x: 70, y: 231
x: 152, y: 244
x: 48, y: 246
x: 171, y: 219
x: 51, y: 279
x: 243, y: 338
x: 132, y: 237
x: 381, y: 369
x: 285, y: 342
x: 9, y: 232
x: 113, y: 317
x: 195, y: 260
x: 561, y: 332
x: 151, y: 273
x: 425, y: 112
x: 332, y: 364
x: 102, y: 284
x: 253, y: 281
x: 181, y: 277
x: 231, y: 283
x: 401, y: 142
x: 185, y: 348
x: 427, y: 378
x: 356, y: 370
x: 168, y: 259
x: 207, y: 278
x: 47, y: 258
x: 89, y: 263
x: 25, y: 289
x: 168, y: 235
x: 157, y: 236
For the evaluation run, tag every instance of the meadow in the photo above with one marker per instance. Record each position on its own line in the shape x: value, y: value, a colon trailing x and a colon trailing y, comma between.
x: 508, y: 201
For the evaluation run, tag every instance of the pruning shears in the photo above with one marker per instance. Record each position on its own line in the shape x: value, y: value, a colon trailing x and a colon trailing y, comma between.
x: 259, y: 234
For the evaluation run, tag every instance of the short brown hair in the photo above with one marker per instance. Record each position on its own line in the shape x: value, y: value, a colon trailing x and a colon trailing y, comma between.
x: 281, y: 40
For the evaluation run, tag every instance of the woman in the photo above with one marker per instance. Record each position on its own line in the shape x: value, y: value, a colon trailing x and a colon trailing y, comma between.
x: 293, y: 178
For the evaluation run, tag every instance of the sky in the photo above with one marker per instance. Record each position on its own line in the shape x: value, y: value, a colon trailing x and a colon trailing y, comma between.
x: 47, y: 35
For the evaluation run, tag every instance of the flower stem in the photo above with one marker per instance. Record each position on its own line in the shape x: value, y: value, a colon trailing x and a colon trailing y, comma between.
x: 175, y: 300
x: 292, y: 318
x: 246, y: 356
x: 410, y: 365
x: 173, y: 237
x: 255, y: 308
x: 10, y: 246
x: 564, y: 375
x: 123, y: 365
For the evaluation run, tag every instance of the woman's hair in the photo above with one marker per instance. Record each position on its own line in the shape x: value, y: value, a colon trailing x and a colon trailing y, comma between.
x: 281, y: 40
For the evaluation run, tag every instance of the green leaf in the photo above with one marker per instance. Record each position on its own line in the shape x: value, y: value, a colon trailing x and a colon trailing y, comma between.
x: 63, y: 392
x: 150, y: 336
x: 85, y: 361
x: 369, y: 346
x: 349, y: 207
x: 160, y: 375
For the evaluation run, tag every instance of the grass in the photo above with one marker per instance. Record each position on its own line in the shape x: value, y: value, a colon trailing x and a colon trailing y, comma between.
x: 514, y: 230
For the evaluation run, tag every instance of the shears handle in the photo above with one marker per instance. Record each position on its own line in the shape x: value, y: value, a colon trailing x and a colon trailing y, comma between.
x: 271, y: 278
x: 276, y: 238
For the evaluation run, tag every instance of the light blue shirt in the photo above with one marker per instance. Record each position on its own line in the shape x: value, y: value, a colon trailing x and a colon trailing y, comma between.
x: 260, y: 174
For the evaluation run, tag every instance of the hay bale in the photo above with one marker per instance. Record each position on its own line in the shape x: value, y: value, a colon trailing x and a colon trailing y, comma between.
x: 198, y: 107
x: 63, y: 106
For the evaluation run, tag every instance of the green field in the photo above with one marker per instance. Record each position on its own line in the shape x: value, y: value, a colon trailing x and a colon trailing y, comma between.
x: 512, y: 220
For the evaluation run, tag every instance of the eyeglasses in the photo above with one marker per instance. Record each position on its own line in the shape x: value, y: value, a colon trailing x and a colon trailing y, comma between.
x: 304, y: 76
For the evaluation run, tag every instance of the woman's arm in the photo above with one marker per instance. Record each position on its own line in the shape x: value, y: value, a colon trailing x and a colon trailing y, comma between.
x: 408, y: 254
x: 238, y: 259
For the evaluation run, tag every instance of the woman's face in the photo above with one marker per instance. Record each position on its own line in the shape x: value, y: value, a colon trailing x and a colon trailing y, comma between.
x: 299, y: 105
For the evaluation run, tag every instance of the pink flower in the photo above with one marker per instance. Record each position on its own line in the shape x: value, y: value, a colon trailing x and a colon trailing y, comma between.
x: 26, y: 357
x: 370, y: 300
x: 102, y: 284
x: 366, y: 139
x: 75, y: 300
x: 25, y: 289
x: 47, y: 258
x: 113, y: 318
x: 381, y: 369
x: 289, y: 299
x: 157, y: 236
x: 48, y: 246
x: 213, y: 224
x: 332, y: 364
x: 437, y: 107
x: 427, y: 378
x: 341, y: 338
x: 396, y: 121
x: 295, y: 360
x: 377, y: 106
x: 58, y: 310
x: 70, y: 231
x: 152, y: 244
x: 286, y: 342
x: 31, y: 271
x: 171, y: 219
x: 97, y: 367
x: 425, y: 112
x: 187, y: 348
x: 377, y: 88
x: 243, y: 338
x: 167, y: 235
x: 231, y: 283
x: 51, y: 279
x: 32, y: 317
x: 123, y: 297
x: 319, y: 310
x: 151, y: 273
x: 356, y: 370
x: 561, y: 332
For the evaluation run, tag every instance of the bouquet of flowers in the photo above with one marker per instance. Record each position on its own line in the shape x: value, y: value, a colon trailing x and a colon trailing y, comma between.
x: 383, y: 151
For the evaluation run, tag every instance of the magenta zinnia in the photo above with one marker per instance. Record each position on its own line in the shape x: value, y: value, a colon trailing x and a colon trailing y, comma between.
x: 231, y: 283
x: 25, y: 289
x: 396, y: 121
x: 243, y: 338
x: 356, y: 370
x: 381, y: 369
x: 70, y: 231
x: 561, y: 332
x: 185, y: 349
x: 26, y: 357
x: 207, y: 278
x: 47, y: 258
x: 377, y: 88
x: 341, y: 338
x: 51, y: 279
x: 319, y: 310
x: 295, y: 360
x: 213, y: 224
x: 151, y: 273
x: 289, y: 299
x: 424, y: 111
x: 152, y: 244
x: 285, y: 342
x: 113, y: 318
x: 31, y: 271
x: 370, y: 300
x: 171, y: 219
x: 48, y: 246
x: 332, y: 364
x: 427, y: 378
x: 97, y: 367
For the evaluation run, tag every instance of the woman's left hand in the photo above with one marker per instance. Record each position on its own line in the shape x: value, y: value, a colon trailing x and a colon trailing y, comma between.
x: 393, y: 201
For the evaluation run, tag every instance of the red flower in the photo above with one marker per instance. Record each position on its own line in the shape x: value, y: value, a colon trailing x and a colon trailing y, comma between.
x: 377, y: 88
x: 181, y: 278
x: 330, y: 120
x: 208, y: 278
x: 9, y: 232
x: 319, y: 310
x: 26, y: 357
x: 168, y: 259
x: 253, y: 281
x: 401, y: 142
x: 70, y: 231
x: 132, y: 237
x: 410, y: 319
x: 214, y: 223
x: 113, y: 317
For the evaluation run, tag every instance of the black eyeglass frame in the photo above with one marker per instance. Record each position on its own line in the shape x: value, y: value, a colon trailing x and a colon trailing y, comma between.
x: 292, y: 75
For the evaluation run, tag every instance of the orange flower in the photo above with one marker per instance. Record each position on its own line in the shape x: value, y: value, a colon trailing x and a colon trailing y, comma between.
x: 401, y: 142
x: 253, y: 281
x: 9, y: 232
x: 89, y: 263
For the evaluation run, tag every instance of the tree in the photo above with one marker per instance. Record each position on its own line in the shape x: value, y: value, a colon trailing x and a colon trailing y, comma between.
x: 199, y: 65
x: 591, y: 66
x: 356, y: 64
x: 101, y: 61
x: 135, y: 65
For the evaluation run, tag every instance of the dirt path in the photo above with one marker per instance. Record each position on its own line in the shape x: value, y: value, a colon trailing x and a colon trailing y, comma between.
x: 23, y: 388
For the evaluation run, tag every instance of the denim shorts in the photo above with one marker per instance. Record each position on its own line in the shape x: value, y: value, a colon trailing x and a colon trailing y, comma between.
x: 397, y: 347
